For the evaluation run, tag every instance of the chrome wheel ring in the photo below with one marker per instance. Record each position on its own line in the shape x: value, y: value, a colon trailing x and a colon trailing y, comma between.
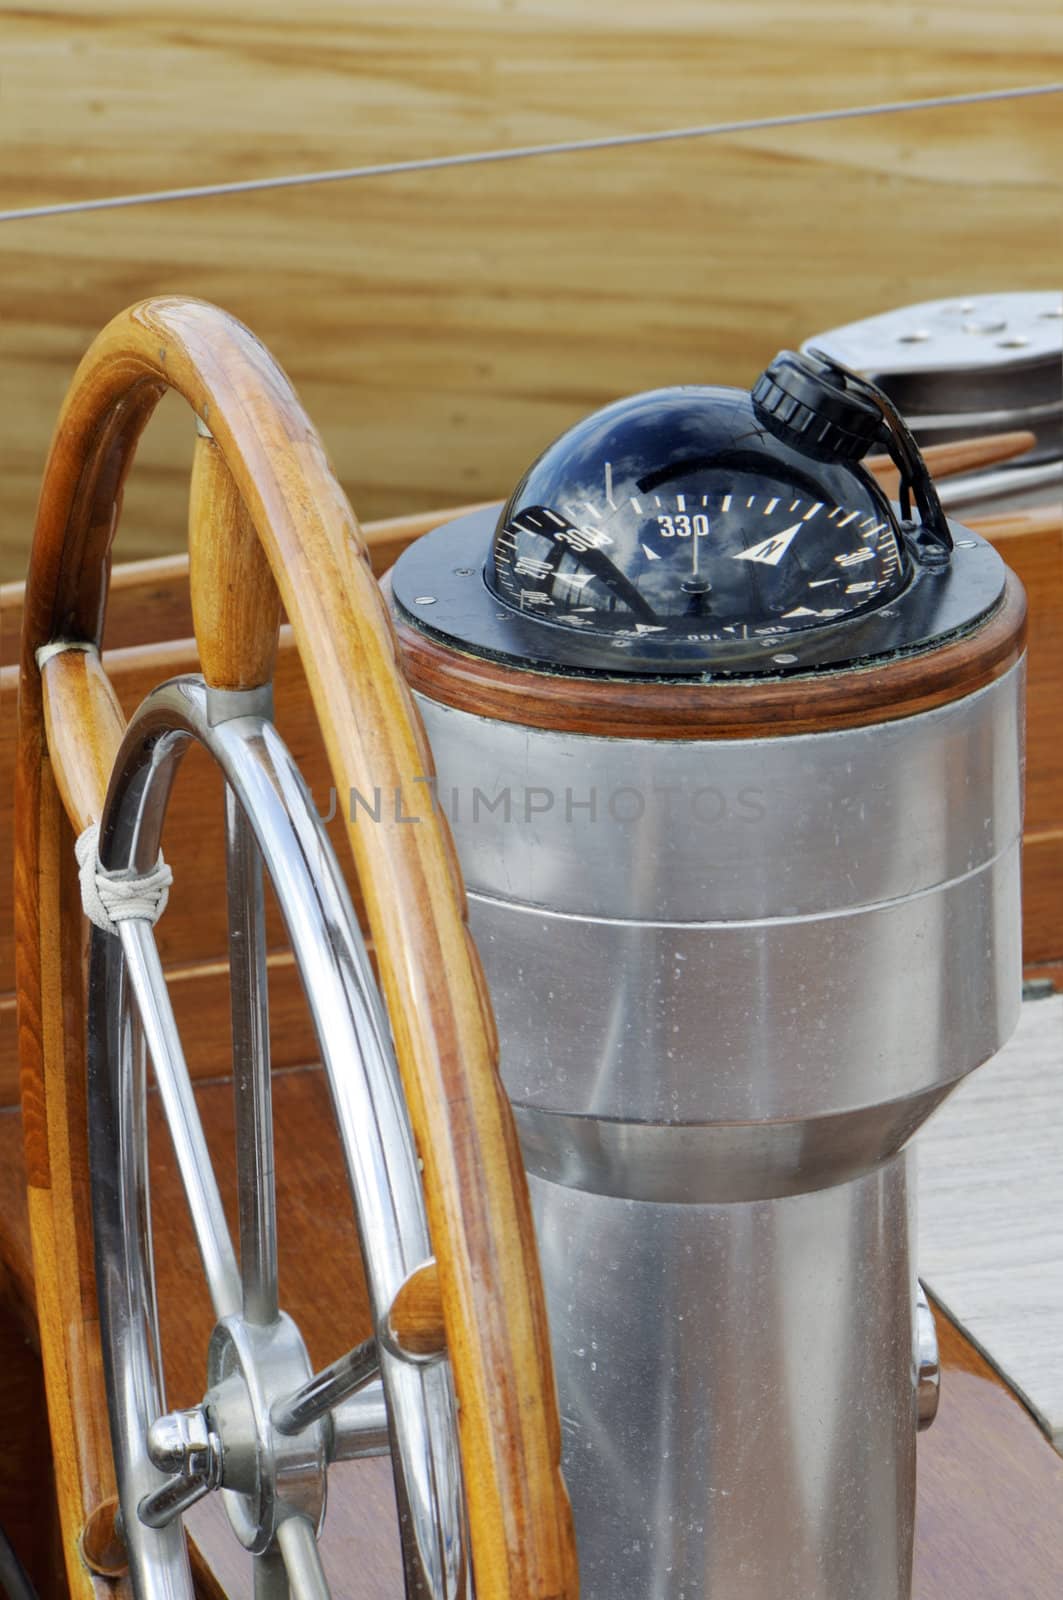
x: 259, y: 1376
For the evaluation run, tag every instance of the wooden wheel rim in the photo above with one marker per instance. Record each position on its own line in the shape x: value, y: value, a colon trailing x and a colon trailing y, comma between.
x: 475, y: 1192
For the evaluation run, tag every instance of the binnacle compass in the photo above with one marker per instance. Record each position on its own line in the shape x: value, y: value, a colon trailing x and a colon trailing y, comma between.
x: 709, y: 532
x: 730, y: 746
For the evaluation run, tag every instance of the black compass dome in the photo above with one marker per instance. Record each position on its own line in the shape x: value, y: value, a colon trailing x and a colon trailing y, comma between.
x: 709, y: 533
x: 682, y: 510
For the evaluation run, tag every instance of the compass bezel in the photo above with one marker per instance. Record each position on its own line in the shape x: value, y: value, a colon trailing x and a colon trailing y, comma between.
x: 440, y: 587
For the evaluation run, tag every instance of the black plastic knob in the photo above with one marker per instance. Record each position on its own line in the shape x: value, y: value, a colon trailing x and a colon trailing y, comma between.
x: 813, y: 406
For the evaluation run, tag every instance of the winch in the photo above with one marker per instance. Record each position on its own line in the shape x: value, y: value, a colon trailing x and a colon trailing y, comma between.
x: 965, y: 367
x: 730, y: 746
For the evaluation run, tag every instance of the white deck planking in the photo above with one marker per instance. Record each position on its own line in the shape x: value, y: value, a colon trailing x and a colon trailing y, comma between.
x: 990, y: 1187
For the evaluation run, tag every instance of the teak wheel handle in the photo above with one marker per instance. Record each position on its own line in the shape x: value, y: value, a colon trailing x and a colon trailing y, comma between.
x: 283, y: 489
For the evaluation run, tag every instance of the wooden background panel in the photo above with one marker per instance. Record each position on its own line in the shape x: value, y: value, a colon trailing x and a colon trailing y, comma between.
x: 443, y: 327
x: 1037, y: 558
x: 129, y: 96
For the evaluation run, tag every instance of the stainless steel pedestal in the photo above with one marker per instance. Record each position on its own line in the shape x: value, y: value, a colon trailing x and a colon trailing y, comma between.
x: 737, y: 1382
x: 732, y: 977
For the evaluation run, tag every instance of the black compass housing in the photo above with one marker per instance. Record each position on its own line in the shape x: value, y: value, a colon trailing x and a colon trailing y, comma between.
x: 704, y: 532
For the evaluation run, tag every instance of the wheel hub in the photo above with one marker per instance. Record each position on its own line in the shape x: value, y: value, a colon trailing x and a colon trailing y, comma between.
x: 264, y: 1472
x: 230, y: 1441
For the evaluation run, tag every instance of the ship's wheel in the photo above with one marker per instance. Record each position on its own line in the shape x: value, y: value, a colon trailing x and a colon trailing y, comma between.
x: 456, y: 1380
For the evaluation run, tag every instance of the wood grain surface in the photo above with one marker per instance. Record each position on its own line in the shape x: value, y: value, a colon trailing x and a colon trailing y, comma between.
x: 444, y: 327
x: 415, y: 1322
x: 236, y: 606
x: 961, y: 455
x: 990, y: 1487
x: 84, y: 725
x: 647, y: 709
x: 148, y: 602
x: 1012, y: 525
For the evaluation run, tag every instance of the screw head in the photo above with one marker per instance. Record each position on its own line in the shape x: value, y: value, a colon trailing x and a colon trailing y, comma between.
x: 988, y: 324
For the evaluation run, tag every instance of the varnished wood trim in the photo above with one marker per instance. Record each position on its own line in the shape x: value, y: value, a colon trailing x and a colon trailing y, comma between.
x: 1042, y: 896
x: 627, y: 708
x: 54, y: 1133
x: 990, y: 1488
x: 415, y: 1322
x: 236, y: 609
x: 102, y: 1549
x: 84, y: 726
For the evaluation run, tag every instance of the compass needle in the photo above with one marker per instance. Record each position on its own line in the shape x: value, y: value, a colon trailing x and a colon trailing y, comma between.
x: 770, y: 551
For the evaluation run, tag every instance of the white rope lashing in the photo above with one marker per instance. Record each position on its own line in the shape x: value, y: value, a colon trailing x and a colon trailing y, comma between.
x: 110, y: 898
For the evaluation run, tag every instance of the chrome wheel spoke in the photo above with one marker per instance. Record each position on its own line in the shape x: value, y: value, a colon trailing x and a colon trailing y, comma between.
x: 328, y: 1388
x: 268, y: 1425
x: 251, y: 1067
x: 148, y: 984
x: 302, y: 1560
x: 159, y: 1508
x: 271, y: 1576
x: 122, y: 1226
x: 360, y: 1426
x: 139, y: 1203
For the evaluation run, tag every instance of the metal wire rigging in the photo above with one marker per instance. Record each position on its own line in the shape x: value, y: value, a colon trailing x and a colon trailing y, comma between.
x: 478, y: 158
